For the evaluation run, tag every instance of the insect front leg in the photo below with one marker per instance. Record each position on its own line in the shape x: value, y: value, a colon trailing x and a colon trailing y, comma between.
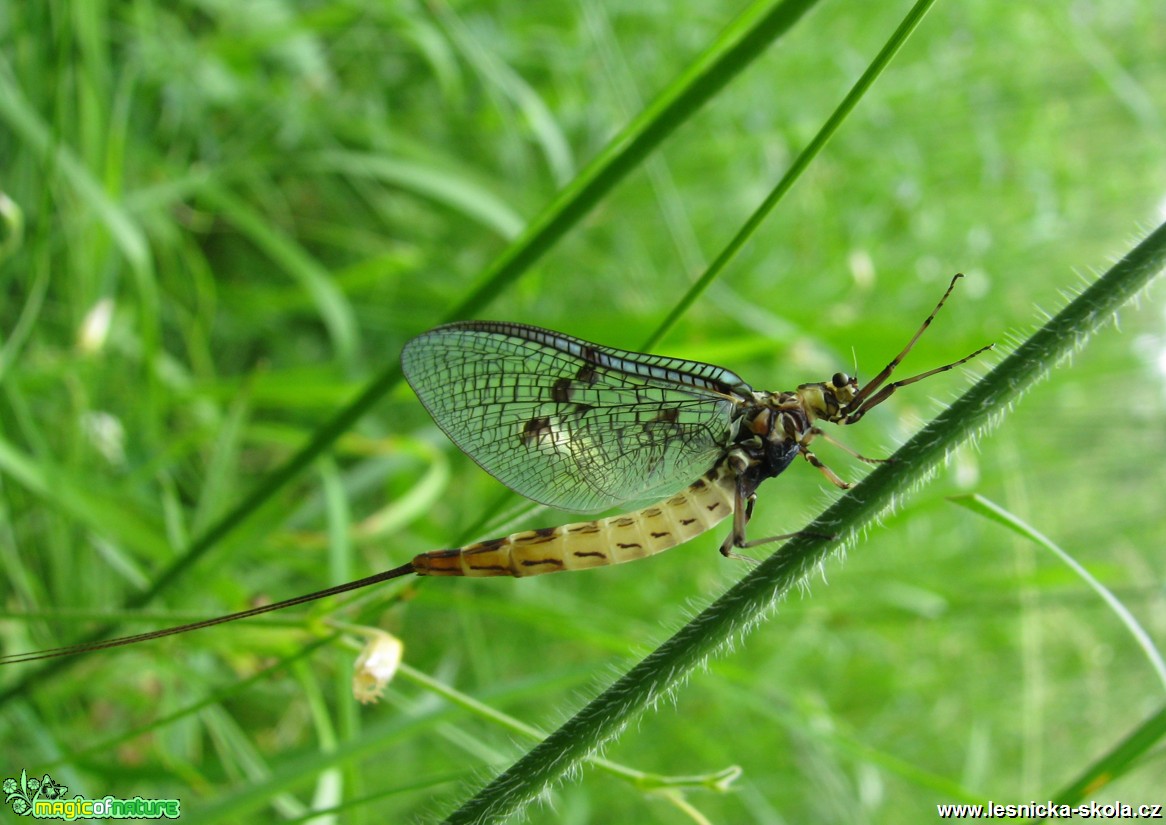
x: 825, y: 436
x: 826, y: 471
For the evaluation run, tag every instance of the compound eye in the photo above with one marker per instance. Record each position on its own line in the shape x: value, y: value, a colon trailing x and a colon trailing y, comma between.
x: 840, y: 380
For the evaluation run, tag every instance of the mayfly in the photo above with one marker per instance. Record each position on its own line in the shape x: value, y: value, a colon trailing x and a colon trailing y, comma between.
x: 584, y: 427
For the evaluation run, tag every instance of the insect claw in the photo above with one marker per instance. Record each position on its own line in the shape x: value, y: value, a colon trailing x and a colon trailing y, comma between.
x: 742, y: 557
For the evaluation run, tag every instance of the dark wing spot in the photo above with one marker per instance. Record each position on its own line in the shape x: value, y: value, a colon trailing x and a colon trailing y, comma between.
x: 586, y: 374
x: 561, y: 392
x: 668, y: 415
x: 536, y: 430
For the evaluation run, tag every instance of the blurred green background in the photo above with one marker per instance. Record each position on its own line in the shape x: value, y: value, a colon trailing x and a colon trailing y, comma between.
x: 221, y: 220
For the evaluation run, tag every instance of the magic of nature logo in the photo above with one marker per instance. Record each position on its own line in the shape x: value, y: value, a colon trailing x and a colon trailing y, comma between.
x: 44, y: 798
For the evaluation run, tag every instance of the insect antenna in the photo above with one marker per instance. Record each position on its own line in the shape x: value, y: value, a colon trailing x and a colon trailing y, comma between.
x: 867, y: 398
x: 122, y: 641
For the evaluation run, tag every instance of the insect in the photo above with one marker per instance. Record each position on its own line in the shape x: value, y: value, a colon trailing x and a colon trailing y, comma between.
x: 584, y: 427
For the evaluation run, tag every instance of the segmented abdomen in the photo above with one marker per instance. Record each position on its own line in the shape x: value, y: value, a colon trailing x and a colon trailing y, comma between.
x: 614, y: 540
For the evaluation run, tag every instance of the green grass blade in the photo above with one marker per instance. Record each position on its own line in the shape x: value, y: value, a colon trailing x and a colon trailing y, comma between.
x: 1124, y: 756
x: 510, y: 84
x: 428, y: 180
x: 309, y: 274
x: 994, y: 512
x: 1115, y: 763
x: 63, y: 167
x: 736, y: 47
x: 97, y: 510
x: 744, y: 605
x: 800, y: 164
x: 21, y: 117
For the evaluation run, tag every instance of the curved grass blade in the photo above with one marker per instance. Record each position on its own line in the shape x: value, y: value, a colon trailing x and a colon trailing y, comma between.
x: 335, y: 312
x: 1123, y: 757
x: 426, y: 179
x: 993, y: 511
x: 744, y: 605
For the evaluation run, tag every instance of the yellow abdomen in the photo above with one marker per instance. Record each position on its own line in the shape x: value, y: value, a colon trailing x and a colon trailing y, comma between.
x: 614, y: 540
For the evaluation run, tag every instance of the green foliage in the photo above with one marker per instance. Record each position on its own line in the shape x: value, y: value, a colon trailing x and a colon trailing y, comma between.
x: 219, y: 222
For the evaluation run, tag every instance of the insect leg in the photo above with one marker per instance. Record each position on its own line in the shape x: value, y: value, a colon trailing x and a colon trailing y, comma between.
x: 742, y: 512
x: 783, y: 537
x: 825, y: 436
x: 736, y: 539
x: 826, y: 471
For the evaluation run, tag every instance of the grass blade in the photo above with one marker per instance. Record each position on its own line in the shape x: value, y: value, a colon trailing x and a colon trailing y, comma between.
x: 991, y: 510
x: 1116, y: 762
x: 800, y: 164
x: 736, y: 47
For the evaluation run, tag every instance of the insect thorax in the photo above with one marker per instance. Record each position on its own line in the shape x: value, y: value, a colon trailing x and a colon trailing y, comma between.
x: 767, y: 436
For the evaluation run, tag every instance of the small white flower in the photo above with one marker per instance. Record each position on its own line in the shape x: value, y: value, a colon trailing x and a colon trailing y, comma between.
x: 95, y: 328
x: 107, y: 435
x: 376, y: 666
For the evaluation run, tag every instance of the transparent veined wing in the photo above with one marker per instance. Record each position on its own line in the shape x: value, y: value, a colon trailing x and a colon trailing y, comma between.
x: 568, y: 423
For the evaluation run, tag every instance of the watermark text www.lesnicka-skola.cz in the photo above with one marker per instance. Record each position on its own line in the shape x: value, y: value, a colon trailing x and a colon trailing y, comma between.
x: 1051, y: 810
x: 45, y: 798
